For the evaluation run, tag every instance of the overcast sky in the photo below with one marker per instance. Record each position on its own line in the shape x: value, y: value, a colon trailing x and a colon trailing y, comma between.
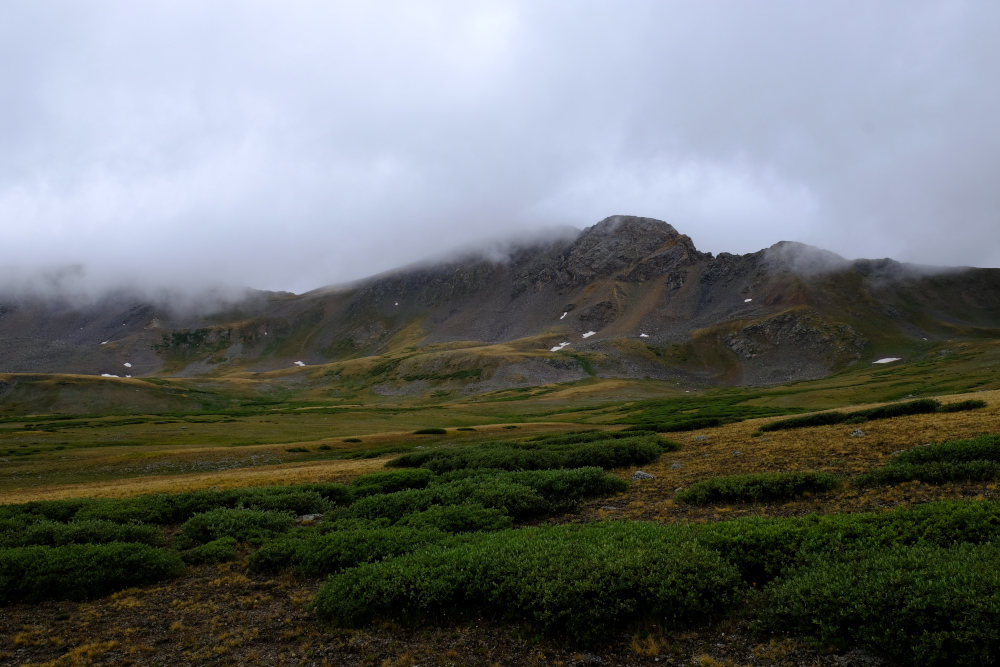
x: 288, y: 145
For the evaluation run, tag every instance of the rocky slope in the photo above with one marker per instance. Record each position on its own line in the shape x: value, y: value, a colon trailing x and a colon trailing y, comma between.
x: 655, y: 305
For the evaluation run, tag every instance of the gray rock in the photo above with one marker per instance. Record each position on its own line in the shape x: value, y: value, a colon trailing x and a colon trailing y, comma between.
x: 640, y: 475
x: 858, y: 433
x: 699, y: 438
x: 308, y: 518
x: 675, y: 466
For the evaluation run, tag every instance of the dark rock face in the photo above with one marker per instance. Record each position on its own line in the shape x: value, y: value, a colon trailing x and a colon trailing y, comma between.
x: 787, y: 312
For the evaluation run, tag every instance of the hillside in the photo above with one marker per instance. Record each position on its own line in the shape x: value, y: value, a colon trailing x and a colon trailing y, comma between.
x: 656, y: 305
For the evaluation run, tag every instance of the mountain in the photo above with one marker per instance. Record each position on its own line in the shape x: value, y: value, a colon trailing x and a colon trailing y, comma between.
x: 656, y: 305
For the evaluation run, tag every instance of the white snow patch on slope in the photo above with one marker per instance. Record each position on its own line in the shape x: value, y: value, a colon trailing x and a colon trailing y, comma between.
x: 104, y: 343
x: 887, y: 360
x: 299, y: 363
x: 747, y: 300
x: 558, y: 347
x: 643, y: 335
x: 589, y: 334
x: 108, y: 375
x: 564, y: 315
x: 128, y: 365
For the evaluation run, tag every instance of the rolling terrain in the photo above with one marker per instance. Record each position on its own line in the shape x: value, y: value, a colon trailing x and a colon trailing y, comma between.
x: 627, y: 298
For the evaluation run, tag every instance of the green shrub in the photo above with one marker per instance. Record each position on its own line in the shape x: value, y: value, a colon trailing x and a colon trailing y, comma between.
x: 930, y: 473
x: 296, y: 449
x: 973, y: 459
x: 325, y: 447
x: 352, y: 439
x: 464, y: 518
x: 632, y: 571
x: 757, y: 488
x: 920, y: 605
x: 465, y: 428
x: 242, y: 525
x: 621, y: 450
x: 962, y: 406
x: 53, y: 534
x: 918, y: 407
x: 430, y: 431
x: 390, y: 482
x: 762, y: 548
x: 817, y: 419
x: 81, y: 571
x: 216, y: 551
x: 679, y: 424
x: 516, y: 500
x: 314, y: 553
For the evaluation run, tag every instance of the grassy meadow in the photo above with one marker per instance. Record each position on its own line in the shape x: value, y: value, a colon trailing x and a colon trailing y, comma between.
x: 517, y: 536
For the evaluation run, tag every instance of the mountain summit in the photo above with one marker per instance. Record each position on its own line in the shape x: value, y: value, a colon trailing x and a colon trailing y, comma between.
x: 629, y: 296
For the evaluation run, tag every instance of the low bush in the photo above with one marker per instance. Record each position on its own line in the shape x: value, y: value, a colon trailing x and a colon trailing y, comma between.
x: 962, y: 406
x: 633, y: 571
x: 930, y: 473
x: 81, y: 571
x: 430, y: 431
x: 918, y: 407
x: 390, y: 482
x: 163, y: 509
x: 971, y: 460
x: 296, y: 449
x: 216, y: 551
x: 764, y: 487
x: 465, y: 428
x: 763, y: 548
x: 517, y: 500
x: 464, y: 518
x: 54, y: 534
x: 920, y: 605
x: 352, y: 439
x: 679, y: 424
x: 620, y: 450
x: 242, y: 525
x: 314, y: 553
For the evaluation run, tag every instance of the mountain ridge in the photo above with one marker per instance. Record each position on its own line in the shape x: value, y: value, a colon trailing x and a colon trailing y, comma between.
x: 657, y: 306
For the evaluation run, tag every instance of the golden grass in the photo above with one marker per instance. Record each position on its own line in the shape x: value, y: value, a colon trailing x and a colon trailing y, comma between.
x: 287, y: 473
x: 730, y: 450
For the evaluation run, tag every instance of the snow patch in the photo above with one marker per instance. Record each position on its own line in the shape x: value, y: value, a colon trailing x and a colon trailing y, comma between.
x: 108, y: 375
x: 299, y: 363
x: 128, y: 365
x: 643, y: 335
x: 747, y: 300
x: 104, y: 343
x: 887, y: 360
x: 558, y: 347
x: 397, y: 303
x: 589, y: 334
x: 128, y: 376
x: 564, y: 314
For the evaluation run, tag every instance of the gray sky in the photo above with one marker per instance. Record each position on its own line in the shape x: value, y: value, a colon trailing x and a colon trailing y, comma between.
x: 295, y: 144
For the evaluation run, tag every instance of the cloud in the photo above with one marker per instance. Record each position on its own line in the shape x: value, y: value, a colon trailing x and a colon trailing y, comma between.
x: 290, y: 146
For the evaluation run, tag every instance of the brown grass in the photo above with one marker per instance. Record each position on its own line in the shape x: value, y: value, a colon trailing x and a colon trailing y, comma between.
x: 287, y: 473
x: 730, y: 450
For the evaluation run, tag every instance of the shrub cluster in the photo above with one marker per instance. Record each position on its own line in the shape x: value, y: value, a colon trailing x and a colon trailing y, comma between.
x: 315, y: 553
x: 918, y: 407
x: 763, y: 548
x: 176, y: 508
x: 29, y: 530
x: 430, y: 431
x: 216, y: 551
x: 922, y: 605
x: 81, y: 571
x: 764, y: 487
x: 632, y: 571
x: 600, y: 449
x: 972, y: 459
x: 680, y: 424
x: 241, y: 525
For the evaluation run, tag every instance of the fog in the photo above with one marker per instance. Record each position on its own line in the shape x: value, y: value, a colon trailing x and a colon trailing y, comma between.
x: 286, y: 146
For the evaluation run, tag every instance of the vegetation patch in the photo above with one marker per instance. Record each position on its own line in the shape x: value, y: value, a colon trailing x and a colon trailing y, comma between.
x: 633, y: 571
x: 919, y: 604
x: 918, y: 407
x: 81, y: 571
x: 430, y: 431
x: 763, y: 487
x: 971, y: 459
